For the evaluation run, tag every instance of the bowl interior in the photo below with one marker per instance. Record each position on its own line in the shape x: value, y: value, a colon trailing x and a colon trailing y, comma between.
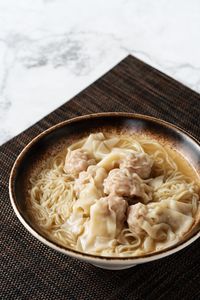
x: 69, y: 131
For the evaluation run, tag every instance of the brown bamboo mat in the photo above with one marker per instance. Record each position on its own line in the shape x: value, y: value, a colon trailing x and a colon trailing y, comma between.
x: 30, y: 270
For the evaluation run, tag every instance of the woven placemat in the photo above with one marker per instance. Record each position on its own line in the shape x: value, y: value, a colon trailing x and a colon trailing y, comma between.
x: 30, y: 270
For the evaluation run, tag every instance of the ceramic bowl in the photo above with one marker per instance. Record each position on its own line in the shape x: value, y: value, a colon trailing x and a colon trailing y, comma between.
x: 70, y: 130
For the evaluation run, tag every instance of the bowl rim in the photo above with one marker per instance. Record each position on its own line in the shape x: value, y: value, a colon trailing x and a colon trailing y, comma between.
x: 86, y: 256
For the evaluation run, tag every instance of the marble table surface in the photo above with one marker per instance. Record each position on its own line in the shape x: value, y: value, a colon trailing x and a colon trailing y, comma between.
x: 52, y: 49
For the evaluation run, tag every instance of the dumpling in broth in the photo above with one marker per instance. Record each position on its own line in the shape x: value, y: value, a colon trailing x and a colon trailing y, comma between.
x: 139, y: 163
x: 107, y: 217
x: 123, y: 183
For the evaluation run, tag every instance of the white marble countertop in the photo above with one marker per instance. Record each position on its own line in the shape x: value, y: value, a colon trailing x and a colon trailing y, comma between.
x: 52, y: 49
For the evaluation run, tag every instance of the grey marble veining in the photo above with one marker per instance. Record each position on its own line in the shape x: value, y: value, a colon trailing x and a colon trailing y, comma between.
x: 52, y: 49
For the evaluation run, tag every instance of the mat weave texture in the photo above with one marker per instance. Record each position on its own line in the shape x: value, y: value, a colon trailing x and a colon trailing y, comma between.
x: 30, y: 270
